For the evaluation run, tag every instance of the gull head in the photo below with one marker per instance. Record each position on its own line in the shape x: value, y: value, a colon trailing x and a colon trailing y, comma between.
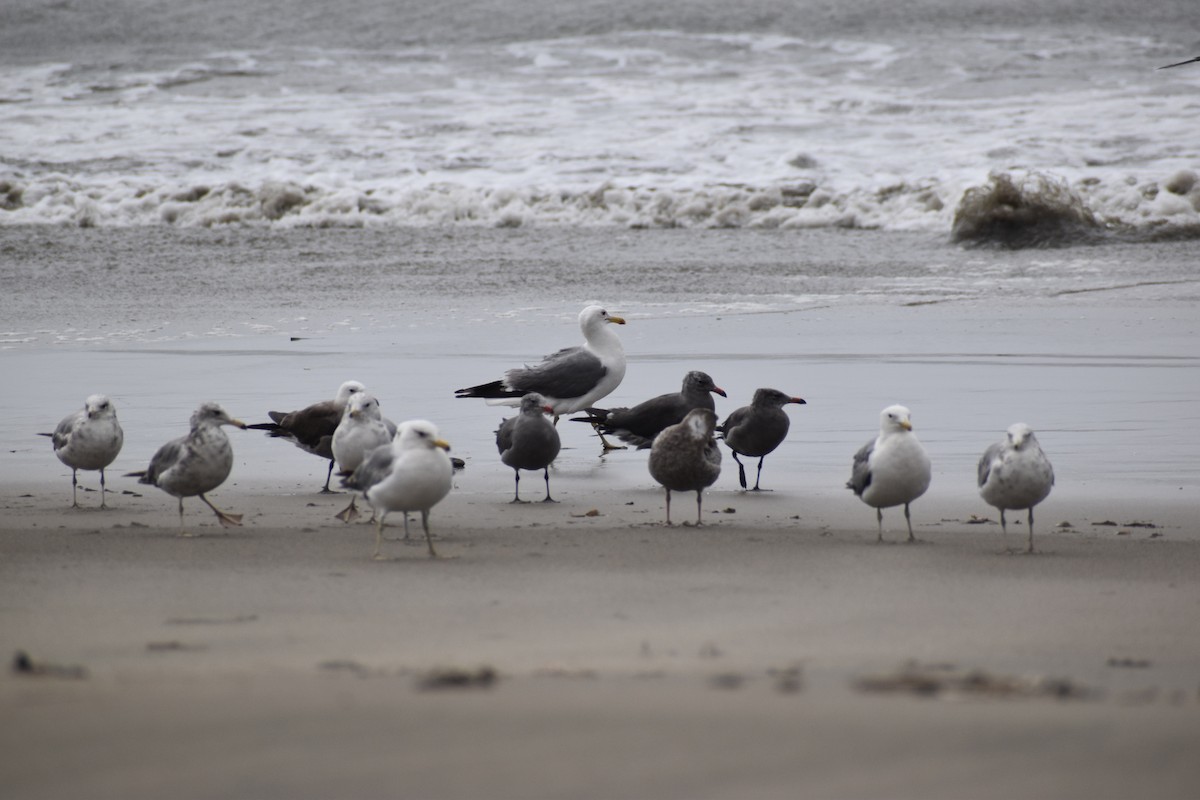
x: 895, y: 418
x: 346, y: 390
x: 98, y: 406
x: 1019, y: 434
x: 213, y: 414
x: 419, y: 433
x: 594, y: 316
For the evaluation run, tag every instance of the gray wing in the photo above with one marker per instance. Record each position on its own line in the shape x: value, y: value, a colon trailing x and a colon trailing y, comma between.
x: 62, y: 434
x: 372, y: 470
x: 571, y: 372
x: 985, y: 461
x: 391, y: 427
x: 167, y: 456
x: 504, y: 434
x: 734, y: 419
x: 860, y: 473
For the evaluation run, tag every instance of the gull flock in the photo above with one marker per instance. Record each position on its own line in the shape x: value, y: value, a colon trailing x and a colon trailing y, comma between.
x: 406, y: 468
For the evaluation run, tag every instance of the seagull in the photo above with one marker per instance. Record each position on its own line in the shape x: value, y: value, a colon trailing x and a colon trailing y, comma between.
x: 529, y: 441
x: 361, y: 430
x: 1180, y: 63
x: 757, y: 429
x: 88, y: 439
x: 893, y: 468
x: 413, y: 473
x: 197, y: 463
x: 640, y: 424
x: 685, y: 457
x: 570, y: 380
x: 311, y: 428
x: 1015, y: 474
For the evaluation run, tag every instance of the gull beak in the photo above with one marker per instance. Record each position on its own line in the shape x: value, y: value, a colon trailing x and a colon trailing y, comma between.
x: 442, y: 443
x: 548, y: 409
x: 617, y: 320
x: 237, y: 422
x: 720, y: 391
x: 799, y: 400
x: 906, y: 425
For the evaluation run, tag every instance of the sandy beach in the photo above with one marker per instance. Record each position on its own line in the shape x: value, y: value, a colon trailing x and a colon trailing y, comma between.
x: 584, y: 649
x: 630, y: 659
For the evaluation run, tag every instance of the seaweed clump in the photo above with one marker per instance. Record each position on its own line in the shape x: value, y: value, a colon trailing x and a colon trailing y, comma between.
x: 1037, y: 211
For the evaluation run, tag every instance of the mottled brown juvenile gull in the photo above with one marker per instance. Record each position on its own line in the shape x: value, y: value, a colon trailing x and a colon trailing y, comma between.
x: 90, y: 438
x: 757, y: 429
x: 685, y: 457
x: 572, y: 378
x: 197, y: 463
x: 361, y: 430
x: 893, y: 468
x: 413, y: 473
x: 641, y: 423
x: 311, y: 428
x: 1015, y: 474
x: 529, y: 441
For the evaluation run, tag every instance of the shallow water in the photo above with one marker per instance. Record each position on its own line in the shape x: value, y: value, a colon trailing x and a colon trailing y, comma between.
x: 1095, y: 347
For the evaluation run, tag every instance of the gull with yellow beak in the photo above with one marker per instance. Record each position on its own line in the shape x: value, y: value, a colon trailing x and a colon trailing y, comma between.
x: 413, y: 473
x: 571, y: 379
x: 893, y: 468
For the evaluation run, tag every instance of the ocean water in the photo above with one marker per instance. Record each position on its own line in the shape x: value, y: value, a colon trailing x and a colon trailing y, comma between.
x: 617, y: 114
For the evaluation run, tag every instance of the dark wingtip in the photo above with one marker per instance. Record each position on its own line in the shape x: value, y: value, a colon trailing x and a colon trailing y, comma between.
x: 1180, y: 63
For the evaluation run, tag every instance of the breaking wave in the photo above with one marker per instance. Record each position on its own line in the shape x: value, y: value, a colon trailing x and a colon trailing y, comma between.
x: 1030, y: 210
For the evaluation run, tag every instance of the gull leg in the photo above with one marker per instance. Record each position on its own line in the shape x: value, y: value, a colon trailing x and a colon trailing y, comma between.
x: 668, y: 506
x: 102, y: 504
x: 1003, y: 523
x: 181, y: 513
x: 1030, y: 529
x: 549, y: 499
x: 741, y: 470
x: 908, y: 519
x: 516, y: 487
x: 226, y: 520
x: 328, y: 475
x: 349, y: 513
x: 406, y: 526
x: 378, y: 537
x: 699, y: 499
x: 606, y: 445
x: 428, y: 537
x: 879, y: 519
x: 74, y: 484
x: 758, y: 477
